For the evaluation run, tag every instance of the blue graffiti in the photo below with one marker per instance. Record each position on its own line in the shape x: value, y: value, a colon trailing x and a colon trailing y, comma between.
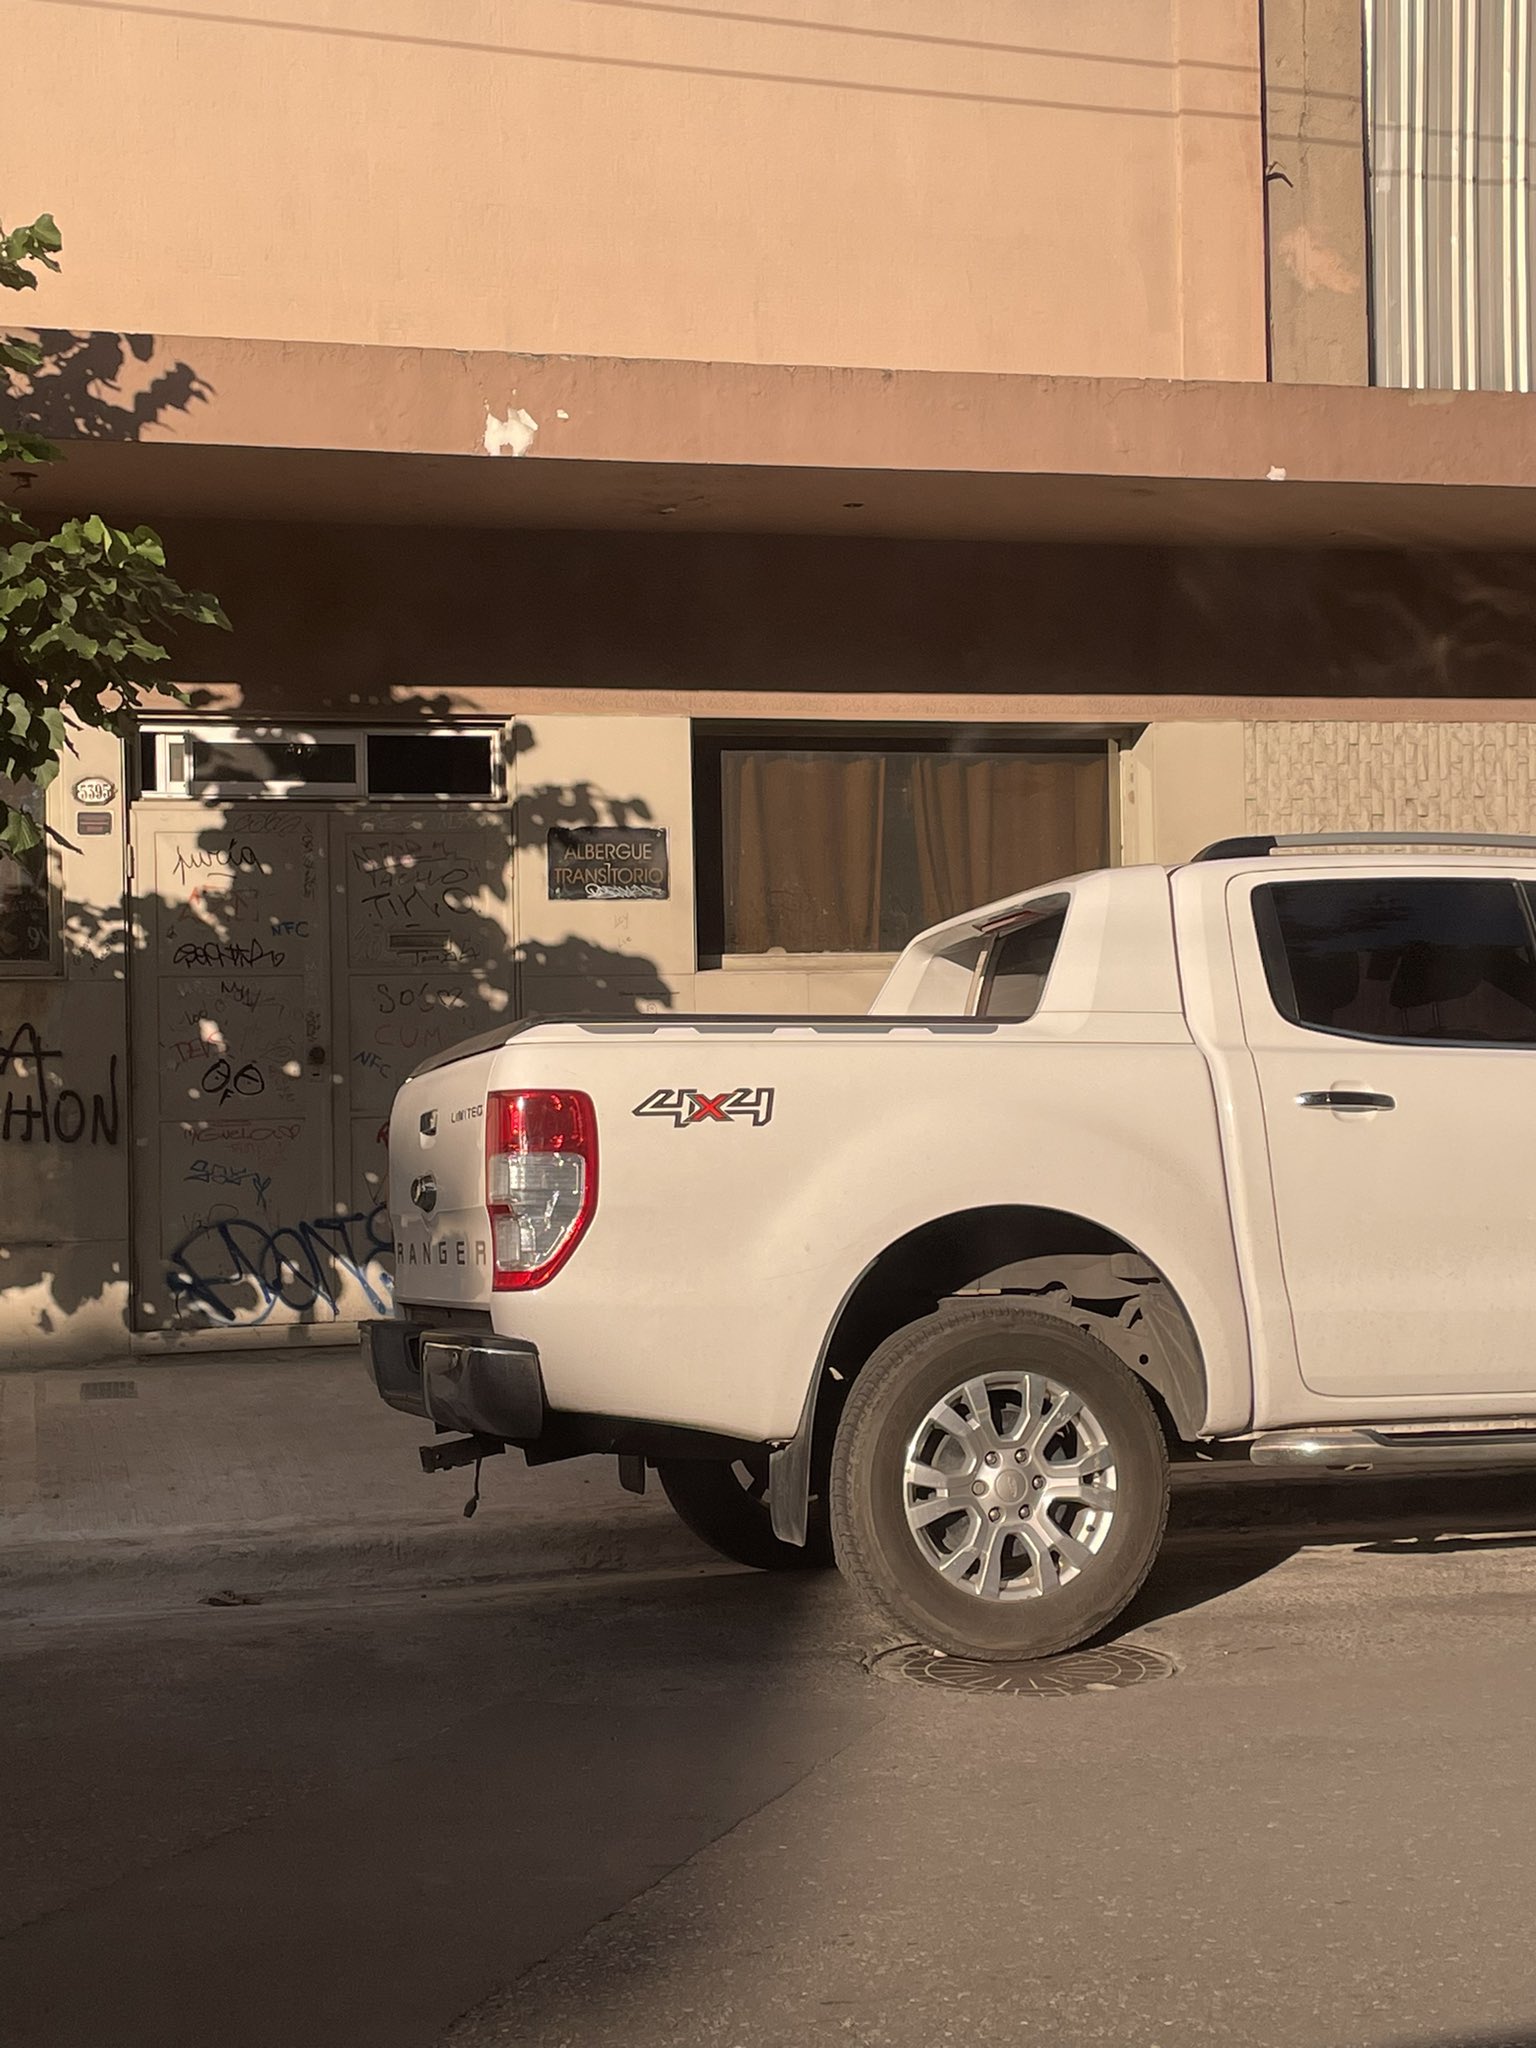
x: 238, y: 1270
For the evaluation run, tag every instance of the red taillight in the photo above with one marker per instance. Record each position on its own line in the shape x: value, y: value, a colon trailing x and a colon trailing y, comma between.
x: 540, y: 1181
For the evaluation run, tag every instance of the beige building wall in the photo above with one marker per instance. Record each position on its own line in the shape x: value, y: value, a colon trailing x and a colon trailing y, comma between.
x: 994, y: 185
x: 65, y: 1128
x: 614, y: 957
x: 1181, y: 788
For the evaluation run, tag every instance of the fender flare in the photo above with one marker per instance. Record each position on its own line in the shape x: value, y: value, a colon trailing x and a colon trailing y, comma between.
x: 1151, y: 1336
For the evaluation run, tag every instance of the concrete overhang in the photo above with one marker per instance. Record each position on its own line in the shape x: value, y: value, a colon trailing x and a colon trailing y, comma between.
x: 177, y: 427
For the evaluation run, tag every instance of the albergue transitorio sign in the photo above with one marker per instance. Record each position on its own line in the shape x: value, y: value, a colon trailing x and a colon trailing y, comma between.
x: 606, y: 863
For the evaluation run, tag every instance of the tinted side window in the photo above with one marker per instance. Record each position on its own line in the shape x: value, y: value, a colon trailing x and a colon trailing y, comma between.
x: 1016, y: 973
x: 1436, y: 959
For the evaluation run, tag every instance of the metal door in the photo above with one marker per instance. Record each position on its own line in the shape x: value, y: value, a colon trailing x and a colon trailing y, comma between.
x: 427, y: 959
x: 292, y: 963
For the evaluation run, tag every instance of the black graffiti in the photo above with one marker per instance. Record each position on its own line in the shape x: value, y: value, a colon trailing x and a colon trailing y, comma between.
x: 240, y: 1270
x: 218, y: 1173
x: 409, y: 880
x: 250, y: 994
x: 229, y: 858
x: 226, y: 953
x: 404, y: 997
x: 221, y: 1081
x: 40, y: 1110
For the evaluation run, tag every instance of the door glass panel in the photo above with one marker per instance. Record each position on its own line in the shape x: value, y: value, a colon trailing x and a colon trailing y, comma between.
x: 272, y: 763
x: 430, y: 764
x: 1400, y: 959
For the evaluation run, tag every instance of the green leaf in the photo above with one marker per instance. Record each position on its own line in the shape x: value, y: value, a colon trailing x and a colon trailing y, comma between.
x: 18, y: 834
x: 21, y: 356
x: 28, y: 448
x: 85, y: 606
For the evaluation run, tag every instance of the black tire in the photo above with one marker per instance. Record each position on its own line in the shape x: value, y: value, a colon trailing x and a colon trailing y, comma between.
x: 726, y: 1506
x: 881, y: 1555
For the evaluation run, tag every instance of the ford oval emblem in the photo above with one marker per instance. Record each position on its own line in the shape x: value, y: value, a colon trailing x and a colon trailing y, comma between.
x: 424, y: 1192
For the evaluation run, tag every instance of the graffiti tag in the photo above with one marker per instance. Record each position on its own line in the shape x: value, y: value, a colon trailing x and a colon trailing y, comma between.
x: 39, y: 1109
x: 228, y: 859
x: 222, y: 1081
x: 240, y: 1270
x: 214, y: 1173
x: 226, y: 953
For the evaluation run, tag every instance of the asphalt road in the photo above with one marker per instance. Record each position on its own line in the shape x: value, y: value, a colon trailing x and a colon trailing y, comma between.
x: 689, y: 1809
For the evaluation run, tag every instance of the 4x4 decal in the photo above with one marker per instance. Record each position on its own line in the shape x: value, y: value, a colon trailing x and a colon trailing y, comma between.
x: 687, y: 1106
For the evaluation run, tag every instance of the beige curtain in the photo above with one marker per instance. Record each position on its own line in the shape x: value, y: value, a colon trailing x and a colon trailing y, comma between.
x: 989, y: 825
x: 802, y: 852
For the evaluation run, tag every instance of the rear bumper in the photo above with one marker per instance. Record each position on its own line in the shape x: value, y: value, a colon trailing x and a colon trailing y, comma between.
x: 459, y: 1379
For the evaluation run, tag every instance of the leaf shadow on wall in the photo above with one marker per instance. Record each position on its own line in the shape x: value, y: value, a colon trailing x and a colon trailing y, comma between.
x: 426, y: 920
x: 78, y: 392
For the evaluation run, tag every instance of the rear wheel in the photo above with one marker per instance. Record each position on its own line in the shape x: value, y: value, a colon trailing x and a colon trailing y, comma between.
x: 725, y: 1504
x: 999, y: 1483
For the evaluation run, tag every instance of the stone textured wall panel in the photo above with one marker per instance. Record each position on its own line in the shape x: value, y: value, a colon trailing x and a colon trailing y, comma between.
x: 1345, y: 775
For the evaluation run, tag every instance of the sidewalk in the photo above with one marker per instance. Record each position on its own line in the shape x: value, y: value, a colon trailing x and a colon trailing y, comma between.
x: 252, y: 1475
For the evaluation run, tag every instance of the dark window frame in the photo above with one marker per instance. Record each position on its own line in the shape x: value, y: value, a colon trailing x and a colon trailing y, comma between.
x: 1281, y: 983
x: 713, y: 739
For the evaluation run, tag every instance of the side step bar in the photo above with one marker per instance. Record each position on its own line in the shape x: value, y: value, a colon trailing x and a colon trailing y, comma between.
x: 1388, y: 1450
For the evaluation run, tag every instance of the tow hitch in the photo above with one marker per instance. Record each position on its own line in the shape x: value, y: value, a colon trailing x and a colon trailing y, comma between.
x: 464, y: 1450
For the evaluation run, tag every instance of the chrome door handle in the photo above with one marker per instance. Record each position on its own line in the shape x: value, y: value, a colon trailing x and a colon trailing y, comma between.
x: 1359, y: 1099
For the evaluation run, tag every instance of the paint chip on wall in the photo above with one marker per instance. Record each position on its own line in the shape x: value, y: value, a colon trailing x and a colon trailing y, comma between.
x: 513, y: 435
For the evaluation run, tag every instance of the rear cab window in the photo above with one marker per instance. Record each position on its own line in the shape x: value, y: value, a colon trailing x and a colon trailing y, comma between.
x: 1016, y: 967
x: 1402, y: 959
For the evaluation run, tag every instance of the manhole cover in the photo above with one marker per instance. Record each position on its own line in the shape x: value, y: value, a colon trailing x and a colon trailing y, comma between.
x: 109, y: 1390
x: 1108, y: 1670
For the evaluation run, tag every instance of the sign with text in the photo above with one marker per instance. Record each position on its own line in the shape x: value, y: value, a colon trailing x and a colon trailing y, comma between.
x: 607, y: 863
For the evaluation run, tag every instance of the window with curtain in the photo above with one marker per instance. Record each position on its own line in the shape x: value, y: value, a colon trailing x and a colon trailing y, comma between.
x: 847, y: 848
x: 26, y: 907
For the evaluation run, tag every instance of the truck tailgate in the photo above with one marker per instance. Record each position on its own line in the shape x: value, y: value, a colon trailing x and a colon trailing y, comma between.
x: 437, y: 1184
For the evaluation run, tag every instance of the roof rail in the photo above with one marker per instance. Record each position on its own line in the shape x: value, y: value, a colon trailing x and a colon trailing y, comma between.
x: 1255, y: 847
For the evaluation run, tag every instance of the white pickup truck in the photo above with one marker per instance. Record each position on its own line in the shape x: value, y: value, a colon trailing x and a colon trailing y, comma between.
x: 1233, y: 1159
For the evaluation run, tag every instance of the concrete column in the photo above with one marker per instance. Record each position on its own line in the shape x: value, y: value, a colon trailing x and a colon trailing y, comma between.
x: 613, y: 957
x: 1316, y: 192
x: 1181, y: 787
